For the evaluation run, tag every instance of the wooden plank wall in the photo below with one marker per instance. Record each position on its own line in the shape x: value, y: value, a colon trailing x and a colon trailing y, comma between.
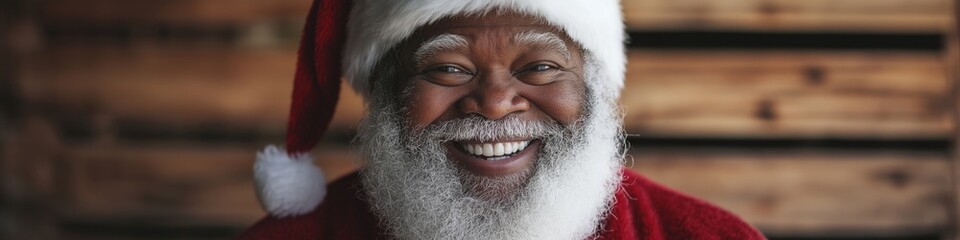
x: 139, y: 119
x: 902, y: 16
x: 953, y: 63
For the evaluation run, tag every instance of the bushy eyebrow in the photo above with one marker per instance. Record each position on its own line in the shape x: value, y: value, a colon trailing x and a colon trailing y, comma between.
x: 439, y: 43
x: 543, y: 40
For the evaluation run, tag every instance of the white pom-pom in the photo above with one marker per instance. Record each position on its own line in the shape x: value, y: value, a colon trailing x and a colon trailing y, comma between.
x: 287, y: 185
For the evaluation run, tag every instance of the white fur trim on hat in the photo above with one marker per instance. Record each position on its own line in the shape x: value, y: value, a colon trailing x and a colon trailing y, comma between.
x: 375, y: 26
x: 287, y: 185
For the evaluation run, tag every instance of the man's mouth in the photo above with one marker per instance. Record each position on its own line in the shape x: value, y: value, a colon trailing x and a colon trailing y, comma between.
x: 494, y: 151
x: 494, y: 158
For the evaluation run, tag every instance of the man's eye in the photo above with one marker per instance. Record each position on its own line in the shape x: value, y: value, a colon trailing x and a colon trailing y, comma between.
x: 448, y: 75
x: 449, y: 69
x: 542, y: 67
x: 539, y: 73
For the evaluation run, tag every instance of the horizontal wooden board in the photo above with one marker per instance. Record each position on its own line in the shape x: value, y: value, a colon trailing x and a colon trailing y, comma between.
x: 178, y: 87
x: 930, y: 16
x: 792, y: 192
x: 214, y: 185
x: 201, y: 185
x: 668, y: 93
x: 787, y: 94
x: 176, y: 12
x: 904, y: 16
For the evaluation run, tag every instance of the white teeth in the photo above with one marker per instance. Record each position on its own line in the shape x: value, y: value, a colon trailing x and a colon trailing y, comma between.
x: 495, y: 151
x: 471, y: 150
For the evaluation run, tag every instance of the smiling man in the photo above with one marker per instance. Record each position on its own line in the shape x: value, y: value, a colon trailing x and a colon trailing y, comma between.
x: 485, y: 120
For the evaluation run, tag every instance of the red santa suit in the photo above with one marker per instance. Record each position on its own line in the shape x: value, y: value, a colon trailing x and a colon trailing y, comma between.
x: 642, y: 210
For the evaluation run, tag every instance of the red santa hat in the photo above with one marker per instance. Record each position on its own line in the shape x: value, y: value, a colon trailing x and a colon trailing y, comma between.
x: 346, y: 39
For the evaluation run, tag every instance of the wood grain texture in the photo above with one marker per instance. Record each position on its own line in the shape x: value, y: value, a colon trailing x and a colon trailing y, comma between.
x: 905, y: 16
x: 173, y: 86
x: 929, y: 16
x: 172, y: 12
x: 796, y: 193
x: 206, y: 185
x: 214, y: 185
x: 953, y: 69
x: 786, y: 94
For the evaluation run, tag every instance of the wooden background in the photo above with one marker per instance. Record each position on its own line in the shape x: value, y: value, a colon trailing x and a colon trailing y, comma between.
x: 814, y: 119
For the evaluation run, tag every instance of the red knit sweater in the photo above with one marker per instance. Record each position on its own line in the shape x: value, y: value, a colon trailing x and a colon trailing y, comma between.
x: 643, y: 210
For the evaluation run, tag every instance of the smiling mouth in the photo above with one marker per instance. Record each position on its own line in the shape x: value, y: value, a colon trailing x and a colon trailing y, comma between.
x: 495, y: 158
x: 494, y: 151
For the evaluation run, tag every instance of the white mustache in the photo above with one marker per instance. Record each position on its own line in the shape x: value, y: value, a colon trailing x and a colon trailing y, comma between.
x: 482, y: 129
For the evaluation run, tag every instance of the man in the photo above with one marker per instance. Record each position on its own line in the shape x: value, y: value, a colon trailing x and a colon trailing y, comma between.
x: 485, y: 120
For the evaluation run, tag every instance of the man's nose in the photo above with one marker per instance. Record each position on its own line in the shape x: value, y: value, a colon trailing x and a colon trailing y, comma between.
x: 495, y: 96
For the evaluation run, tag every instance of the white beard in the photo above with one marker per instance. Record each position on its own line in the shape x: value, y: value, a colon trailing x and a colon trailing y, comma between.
x: 420, y: 194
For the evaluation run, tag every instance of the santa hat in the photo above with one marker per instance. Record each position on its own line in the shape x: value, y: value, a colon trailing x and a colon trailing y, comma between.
x: 347, y: 39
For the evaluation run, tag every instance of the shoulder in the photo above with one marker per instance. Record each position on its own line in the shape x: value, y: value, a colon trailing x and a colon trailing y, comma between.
x: 681, y: 215
x: 341, y: 214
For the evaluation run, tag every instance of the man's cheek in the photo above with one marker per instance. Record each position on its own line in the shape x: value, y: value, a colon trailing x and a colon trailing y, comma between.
x: 564, y: 104
x: 432, y: 104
